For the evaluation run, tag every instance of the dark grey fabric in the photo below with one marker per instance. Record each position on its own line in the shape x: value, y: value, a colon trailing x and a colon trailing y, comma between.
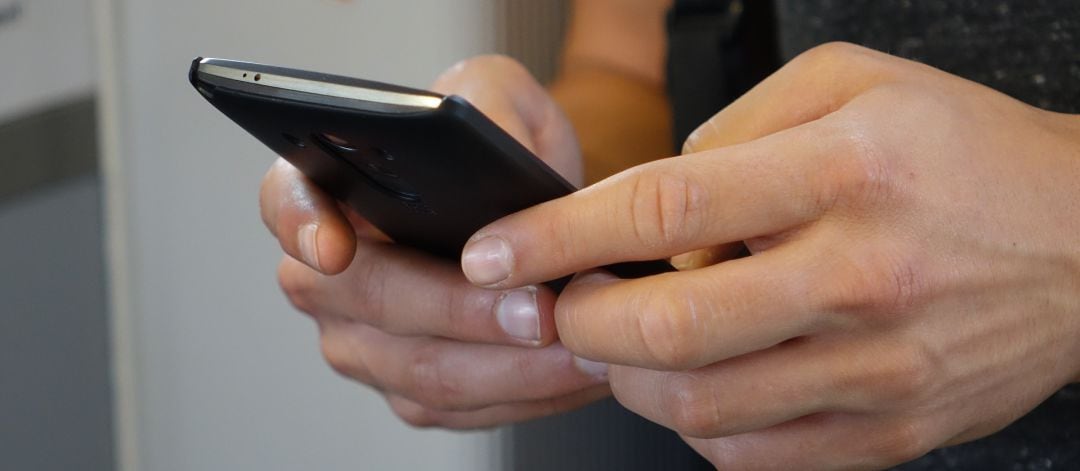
x: 601, y: 436
x: 739, y: 38
x: 1029, y: 49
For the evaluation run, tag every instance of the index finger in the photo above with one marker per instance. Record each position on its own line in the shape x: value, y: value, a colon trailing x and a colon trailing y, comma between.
x: 664, y: 208
x: 404, y: 292
x: 307, y: 222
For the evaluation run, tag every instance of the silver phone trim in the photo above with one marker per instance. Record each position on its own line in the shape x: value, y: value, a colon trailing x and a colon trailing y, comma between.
x: 315, y: 87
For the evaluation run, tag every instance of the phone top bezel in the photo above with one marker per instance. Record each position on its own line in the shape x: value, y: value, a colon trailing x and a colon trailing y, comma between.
x: 328, y: 89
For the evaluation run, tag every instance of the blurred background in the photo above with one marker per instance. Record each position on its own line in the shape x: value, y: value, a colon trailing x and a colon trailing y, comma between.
x: 141, y: 326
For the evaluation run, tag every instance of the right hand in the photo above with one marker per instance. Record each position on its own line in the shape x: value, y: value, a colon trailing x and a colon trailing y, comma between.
x: 442, y: 352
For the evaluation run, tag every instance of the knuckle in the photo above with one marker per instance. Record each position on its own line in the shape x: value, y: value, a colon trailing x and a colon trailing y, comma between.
x: 900, y: 281
x: 370, y: 296
x: 297, y: 288
x: 431, y: 383
x: 886, y: 282
x: 453, y: 320
x: 821, y: 66
x: 415, y: 415
x: 494, y: 61
x: 691, y: 407
x: 460, y: 310
x: 906, y: 378
x: 831, y: 55
x: 666, y: 208
x: 568, y: 245
x: 859, y: 171
x: 342, y: 360
x: 272, y: 180
x: 481, y: 67
x: 902, y: 441
x: 668, y: 328
x: 552, y: 407
x: 525, y: 368
x: 502, y: 62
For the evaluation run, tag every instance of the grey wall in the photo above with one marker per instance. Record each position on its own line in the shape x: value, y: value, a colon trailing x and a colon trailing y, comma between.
x: 47, y: 144
x: 223, y: 373
x: 54, y: 365
x: 55, y: 387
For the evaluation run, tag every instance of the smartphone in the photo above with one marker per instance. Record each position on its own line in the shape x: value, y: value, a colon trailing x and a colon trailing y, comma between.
x: 428, y: 170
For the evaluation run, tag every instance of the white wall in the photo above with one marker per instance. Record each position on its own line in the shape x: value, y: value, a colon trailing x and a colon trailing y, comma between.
x: 214, y: 371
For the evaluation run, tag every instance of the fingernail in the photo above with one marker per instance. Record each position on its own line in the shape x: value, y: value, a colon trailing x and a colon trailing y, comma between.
x: 518, y: 315
x: 683, y: 262
x: 309, y: 245
x: 595, y: 369
x: 594, y: 277
x: 486, y: 261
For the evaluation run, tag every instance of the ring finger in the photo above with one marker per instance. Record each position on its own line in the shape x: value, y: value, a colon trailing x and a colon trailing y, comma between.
x: 448, y: 375
x: 418, y: 415
x: 759, y: 390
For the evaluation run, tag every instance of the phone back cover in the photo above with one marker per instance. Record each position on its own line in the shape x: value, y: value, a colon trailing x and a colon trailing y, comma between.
x: 428, y: 179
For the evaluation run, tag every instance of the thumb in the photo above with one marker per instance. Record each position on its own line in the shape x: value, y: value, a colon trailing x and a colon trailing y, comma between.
x: 812, y: 85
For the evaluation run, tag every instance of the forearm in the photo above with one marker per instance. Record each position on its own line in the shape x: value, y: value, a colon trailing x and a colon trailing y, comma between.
x: 611, y: 83
x: 620, y: 122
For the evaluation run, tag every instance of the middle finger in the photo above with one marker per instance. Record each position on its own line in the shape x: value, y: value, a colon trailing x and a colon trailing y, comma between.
x: 405, y: 292
x: 447, y: 375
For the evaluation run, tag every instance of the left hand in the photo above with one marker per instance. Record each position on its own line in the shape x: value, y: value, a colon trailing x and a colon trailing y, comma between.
x: 441, y: 351
x: 915, y: 277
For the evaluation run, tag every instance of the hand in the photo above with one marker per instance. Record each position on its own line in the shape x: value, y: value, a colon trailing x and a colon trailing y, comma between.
x: 442, y: 351
x: 915, y: 277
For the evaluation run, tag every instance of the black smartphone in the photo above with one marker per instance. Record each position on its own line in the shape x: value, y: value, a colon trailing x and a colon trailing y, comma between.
x: 426, y: 169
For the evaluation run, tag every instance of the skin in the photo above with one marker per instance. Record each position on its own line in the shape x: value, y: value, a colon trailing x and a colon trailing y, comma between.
x: 915, y: 272
x: 445, y: 359
x: 914, y: 283
x: 442, y: 358
x: 611, y: 84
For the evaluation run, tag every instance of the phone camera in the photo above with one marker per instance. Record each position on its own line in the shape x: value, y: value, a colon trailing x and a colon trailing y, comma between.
x: 370, y: 163
x: 383, y: 153
x: 296, y: 141
x: 381, y: 170
x: 337, y: 142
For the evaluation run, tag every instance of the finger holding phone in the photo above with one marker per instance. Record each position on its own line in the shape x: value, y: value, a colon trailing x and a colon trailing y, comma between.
x: 442, y: 351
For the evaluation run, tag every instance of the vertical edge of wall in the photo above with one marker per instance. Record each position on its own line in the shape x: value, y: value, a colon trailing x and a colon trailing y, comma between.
x: 532, y: 32
x: 107, y: 23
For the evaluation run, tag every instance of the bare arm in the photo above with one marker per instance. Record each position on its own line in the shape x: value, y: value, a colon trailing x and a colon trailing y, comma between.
x: 611, y: 83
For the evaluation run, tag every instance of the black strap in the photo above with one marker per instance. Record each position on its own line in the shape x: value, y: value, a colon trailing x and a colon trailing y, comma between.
x: 717, y: 50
